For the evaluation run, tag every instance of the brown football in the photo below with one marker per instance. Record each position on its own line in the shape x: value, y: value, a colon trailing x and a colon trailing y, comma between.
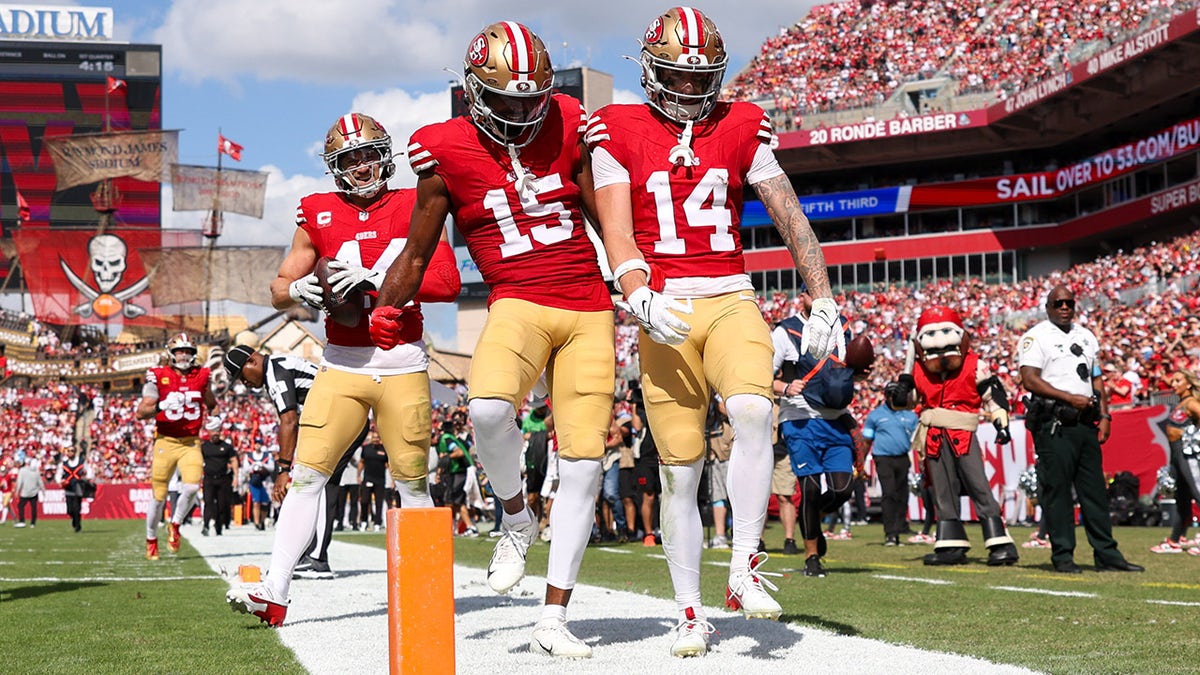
x: 347, y: 310
x: 860, y: 355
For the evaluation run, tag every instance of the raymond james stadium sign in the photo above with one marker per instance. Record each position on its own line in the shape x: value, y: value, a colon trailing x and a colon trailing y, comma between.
x: 54, y: 22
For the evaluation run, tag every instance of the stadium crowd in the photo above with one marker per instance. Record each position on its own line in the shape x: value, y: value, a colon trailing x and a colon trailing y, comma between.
x: 854, y: 54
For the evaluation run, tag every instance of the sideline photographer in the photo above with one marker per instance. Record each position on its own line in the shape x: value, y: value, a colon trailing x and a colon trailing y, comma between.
x: 1067, y: 413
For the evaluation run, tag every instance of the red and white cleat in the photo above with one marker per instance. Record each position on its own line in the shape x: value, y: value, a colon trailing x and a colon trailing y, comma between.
x: 151, y: 549
x: 254, y: 600
x: 745, y: 591
x: 173, y: 537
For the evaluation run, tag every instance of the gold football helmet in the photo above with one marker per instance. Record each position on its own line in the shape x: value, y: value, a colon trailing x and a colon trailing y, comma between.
x: 356, y: 142
x: 181, y: 352
x: 508, y: 79
x: 683, y: 63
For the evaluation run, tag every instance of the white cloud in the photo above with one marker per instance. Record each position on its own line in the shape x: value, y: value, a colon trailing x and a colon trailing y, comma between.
x: 626, y: 96
x: 402, y: 113
x: 382, y: 42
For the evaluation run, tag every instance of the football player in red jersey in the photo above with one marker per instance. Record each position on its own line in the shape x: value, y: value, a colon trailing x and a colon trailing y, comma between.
x: 669, y: 177
x: 363, y: 225
x: 176, y: 396
x: 515, y: 177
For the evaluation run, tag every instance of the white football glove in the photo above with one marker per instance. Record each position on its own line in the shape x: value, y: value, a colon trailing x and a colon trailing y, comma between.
x: 307, y: 291
x: 213, y: 423
x: 348, y: 277
x: 657, y: 315
x: 822, y: 328
x: 173, y: 402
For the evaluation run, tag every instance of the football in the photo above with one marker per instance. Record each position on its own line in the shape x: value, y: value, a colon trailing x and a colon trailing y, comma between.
x: 347, y: 310
x: 860, y: 354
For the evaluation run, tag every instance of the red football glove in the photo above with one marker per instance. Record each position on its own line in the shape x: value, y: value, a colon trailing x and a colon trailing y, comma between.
x: 384, y: 326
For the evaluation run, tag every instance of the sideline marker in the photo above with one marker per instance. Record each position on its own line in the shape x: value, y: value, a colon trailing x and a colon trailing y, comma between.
x: 420, y: 555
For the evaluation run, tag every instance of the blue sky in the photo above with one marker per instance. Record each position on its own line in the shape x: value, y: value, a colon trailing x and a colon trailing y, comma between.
x: 273, y: 75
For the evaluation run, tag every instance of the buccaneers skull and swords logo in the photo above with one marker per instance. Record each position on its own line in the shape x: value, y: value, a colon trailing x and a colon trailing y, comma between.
x: 107, y: 254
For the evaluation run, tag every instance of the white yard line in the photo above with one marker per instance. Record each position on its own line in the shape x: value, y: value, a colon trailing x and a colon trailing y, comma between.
x: 893, y: 577
x: 1174, y: 602
x: 1045, y: 591
x: 108, y: 579
x: 340, y: 626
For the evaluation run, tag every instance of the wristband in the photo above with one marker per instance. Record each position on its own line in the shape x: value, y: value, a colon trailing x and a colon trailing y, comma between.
x: 627, y: 267
x: 283, y: 465
x: 1106, y: 416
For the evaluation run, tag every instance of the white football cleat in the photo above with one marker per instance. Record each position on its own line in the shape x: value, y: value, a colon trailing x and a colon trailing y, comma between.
x: 691, y: 635
x: 553, y: 638
x: 745, y: 591
x: 258, y: 602
x: 508, y: 559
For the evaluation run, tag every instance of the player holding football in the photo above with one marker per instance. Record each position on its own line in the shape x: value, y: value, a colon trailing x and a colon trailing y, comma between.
x: 363, y: 224
x: 176, y: 396
x: 516, y: 177
x: 669, y: 177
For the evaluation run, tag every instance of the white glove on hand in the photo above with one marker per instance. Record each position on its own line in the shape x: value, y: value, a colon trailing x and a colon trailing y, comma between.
x: 348, y: 277
x: 657, y: 315
x: 822, y: 328
x: 307, y: 291
x: 172, y: 403
x: 213, y: 423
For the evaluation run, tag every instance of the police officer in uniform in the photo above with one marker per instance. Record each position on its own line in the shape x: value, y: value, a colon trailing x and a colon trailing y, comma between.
x: 1068, y: 415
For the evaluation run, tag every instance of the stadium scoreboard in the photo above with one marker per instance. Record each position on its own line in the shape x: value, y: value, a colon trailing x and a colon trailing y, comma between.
x: 22, y: 60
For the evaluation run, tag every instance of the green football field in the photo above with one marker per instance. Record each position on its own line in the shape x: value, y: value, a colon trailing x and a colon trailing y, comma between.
x: 90, y: 602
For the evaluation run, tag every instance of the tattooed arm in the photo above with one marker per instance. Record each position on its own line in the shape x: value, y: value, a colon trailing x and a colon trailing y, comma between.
x: 780, y: 200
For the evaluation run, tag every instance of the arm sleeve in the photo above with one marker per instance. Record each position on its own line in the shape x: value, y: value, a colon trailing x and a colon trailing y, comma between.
x: 606, y: 170
x: 441, y: 282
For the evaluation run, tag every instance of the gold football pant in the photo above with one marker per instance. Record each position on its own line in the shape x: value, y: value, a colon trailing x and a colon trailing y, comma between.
x: 576, y: 349
x: 337, y: 407
x: 728, y: 350
x: 171, y: 453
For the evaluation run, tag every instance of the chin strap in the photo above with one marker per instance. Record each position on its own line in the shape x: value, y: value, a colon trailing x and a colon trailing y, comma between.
x: 682, y: 154
x: 524, y: 180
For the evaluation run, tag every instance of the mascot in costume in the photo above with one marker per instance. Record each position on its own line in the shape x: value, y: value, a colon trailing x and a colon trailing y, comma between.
x: 953, y: 384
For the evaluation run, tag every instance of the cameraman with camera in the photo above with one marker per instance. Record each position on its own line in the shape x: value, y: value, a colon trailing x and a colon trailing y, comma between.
x: 889, y: 430
x: 1067, y: 413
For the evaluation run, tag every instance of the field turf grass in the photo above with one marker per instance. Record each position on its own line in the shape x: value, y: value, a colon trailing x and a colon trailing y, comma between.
x: 90, y: 602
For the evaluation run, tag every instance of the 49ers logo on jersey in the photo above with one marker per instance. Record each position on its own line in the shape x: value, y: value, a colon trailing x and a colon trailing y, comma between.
x: 478, y: 53
x: 654, y: 31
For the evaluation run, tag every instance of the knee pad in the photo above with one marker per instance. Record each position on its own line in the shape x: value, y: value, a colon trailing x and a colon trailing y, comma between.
x: 307, y: 480
x: 492, y: 415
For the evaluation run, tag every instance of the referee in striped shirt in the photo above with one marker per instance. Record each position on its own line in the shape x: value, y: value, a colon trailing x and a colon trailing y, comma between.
x: 288, y: 380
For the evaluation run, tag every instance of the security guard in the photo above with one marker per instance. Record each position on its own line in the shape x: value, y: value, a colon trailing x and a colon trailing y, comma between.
x: 1068, y: 416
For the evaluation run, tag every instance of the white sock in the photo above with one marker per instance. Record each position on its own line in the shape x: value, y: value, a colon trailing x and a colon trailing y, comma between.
x: 682, y: 532
x: 554, y: 612
x: 751, y: 463
x: 514, y: 519
x: 414, y: 493
x: 571, y: 519
x: 183, y: 505
x: 152, y: 518
x: 498, y: 444
x: 295, y: 528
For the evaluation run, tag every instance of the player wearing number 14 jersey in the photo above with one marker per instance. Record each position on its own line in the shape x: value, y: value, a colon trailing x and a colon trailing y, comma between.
x: 515, y: 177
x: 669, y: 177
x: 363, y: 225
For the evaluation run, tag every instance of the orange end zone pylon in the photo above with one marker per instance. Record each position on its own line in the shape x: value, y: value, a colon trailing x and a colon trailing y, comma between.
x: 420, y: 591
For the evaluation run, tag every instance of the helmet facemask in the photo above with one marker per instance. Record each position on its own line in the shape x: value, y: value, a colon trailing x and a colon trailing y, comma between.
x: 181, y: 352
x: 353, y: 135
x: 506, y: 117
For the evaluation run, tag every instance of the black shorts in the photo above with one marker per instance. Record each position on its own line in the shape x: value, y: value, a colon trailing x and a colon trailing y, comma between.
x: 645, y: 475
x: 626, y: 484
x: 456, y: 488
x: 534, y: 480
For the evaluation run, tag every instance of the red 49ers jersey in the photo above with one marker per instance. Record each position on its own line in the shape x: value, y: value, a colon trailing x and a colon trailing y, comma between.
x: 370, y: 237
x: 685, y: 219
x: 180, y: 424
x: 532, y: 246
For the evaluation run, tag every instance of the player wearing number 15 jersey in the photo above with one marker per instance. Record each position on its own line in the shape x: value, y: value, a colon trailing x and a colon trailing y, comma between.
x: 363, y: 225
x: 669, y: 177
x: 515, y: 177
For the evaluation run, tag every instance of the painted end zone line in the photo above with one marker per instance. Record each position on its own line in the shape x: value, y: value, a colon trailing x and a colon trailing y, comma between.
x: 935, y: 582
x: 112, y: 579
x: 1042, y: 591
